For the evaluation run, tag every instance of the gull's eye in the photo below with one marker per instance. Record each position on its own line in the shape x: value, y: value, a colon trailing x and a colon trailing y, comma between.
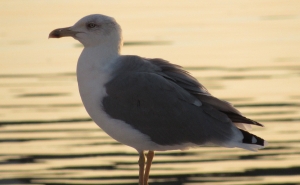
x: 91, y: 25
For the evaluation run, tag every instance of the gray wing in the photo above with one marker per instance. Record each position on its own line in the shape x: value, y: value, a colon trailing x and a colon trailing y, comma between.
x: 157, y: 103
x: 190, y: 84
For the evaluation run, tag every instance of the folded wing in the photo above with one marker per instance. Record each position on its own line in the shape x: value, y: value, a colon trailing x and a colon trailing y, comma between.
x: 168, y: 97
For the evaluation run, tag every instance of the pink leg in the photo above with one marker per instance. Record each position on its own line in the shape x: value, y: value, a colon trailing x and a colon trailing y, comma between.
x: 150, y: 156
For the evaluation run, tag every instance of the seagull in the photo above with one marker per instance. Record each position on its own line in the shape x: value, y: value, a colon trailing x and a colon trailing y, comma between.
x: 149, y: 104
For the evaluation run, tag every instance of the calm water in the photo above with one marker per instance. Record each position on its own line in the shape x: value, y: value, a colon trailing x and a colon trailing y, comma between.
x: 243, y: 52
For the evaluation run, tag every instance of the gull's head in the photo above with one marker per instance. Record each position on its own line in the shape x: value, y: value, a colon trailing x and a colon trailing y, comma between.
x: 92, y: 30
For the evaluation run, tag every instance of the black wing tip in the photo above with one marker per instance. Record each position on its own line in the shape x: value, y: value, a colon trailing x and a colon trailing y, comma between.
x: 252, y: 139
x: 257, y: 123
x: 237, y: 118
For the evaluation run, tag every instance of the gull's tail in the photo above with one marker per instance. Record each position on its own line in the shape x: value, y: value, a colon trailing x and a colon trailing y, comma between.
x: 245, y: 140
x: 250, y: 141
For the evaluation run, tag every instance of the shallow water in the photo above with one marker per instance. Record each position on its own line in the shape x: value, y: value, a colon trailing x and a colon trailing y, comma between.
x: 243, y: 52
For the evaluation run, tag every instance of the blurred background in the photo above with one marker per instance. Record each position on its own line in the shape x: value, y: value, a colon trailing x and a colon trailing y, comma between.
x: 245, y: 52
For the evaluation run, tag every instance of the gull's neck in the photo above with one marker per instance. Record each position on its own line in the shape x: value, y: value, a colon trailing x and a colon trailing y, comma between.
x: 99, y: 57
x: 94, y: 67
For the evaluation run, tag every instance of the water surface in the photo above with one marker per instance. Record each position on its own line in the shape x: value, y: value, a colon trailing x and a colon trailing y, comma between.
x: 243, y: 52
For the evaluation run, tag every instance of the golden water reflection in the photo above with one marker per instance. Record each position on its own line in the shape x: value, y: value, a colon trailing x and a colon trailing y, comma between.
x: 243, y: 52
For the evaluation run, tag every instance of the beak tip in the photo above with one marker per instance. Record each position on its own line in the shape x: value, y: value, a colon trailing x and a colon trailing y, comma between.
x: 61, y: 32
x: 54, y: 34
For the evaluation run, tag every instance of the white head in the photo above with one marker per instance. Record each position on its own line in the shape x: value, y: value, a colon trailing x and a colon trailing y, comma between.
x: 92, y: 31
